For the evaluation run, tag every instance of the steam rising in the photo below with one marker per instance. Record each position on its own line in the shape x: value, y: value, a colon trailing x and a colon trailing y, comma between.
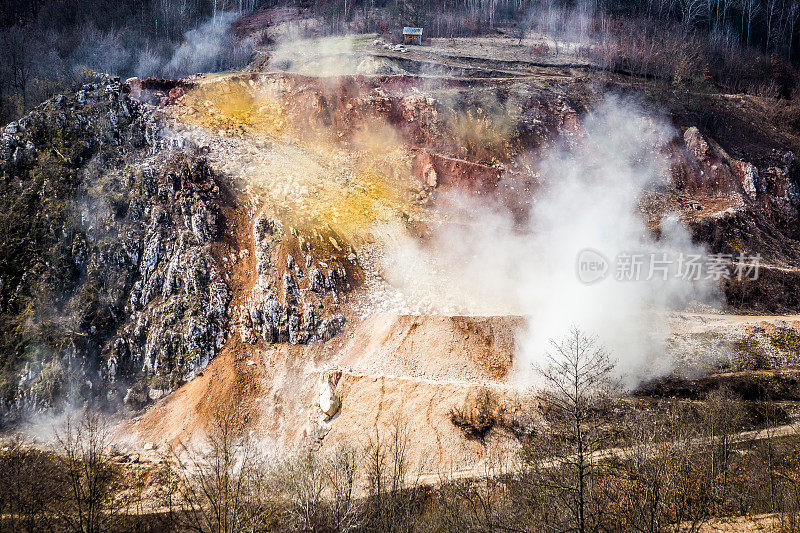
x: 481, y: 263
x: 210, y: 47
x: 205, y: 48
x: 328, y: 56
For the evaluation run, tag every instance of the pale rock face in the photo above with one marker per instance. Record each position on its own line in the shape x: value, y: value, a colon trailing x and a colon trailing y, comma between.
x: 696, y: 144
x: 751, y: 181
x: 199, y: 228
x: 316, y: 281
x: 329, y: 402
x: 431, y: 179
x: 156, y: 394
x: 295, y: 321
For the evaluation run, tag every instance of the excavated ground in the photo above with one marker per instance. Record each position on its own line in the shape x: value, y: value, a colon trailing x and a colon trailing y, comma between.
x: 346, y: 165
x: 340, y: 163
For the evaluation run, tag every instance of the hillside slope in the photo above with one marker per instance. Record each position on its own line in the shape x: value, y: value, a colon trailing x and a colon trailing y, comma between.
x: 173, y: 248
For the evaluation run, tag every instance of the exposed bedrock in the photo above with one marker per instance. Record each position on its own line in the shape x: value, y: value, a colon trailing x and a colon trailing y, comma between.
x: 291, y: 299
x: 114, y: 223
x: 109, y: 290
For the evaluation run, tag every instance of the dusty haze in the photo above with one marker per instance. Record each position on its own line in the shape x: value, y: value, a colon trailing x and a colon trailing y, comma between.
x: 592, y: 186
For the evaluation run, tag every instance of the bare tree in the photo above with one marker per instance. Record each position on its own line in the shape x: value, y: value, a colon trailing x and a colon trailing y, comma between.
x: 750, y: 10
x: 320, y: 489
x: 770, y: 13
x: 659, y: 481
x: 92, y: 484
x: 304, y: 483
x: 692, y: 11
x: 479, y: 504
x: 576, y: 375
x: 790, y: 21
x: 28, y: 488
x: 392, y: 489
x: 721, y: 417
x: 221, y: 487
x: 340, y: 474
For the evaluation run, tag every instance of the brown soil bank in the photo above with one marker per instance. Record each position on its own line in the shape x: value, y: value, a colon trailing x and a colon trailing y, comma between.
x: 432, y: 347
x: 387, y: 371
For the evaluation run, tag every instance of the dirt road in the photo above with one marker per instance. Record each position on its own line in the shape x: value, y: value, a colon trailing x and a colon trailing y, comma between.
x: 494, y: 470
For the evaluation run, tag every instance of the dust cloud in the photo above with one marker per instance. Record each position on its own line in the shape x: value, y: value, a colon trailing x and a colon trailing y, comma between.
x: 328, y: 57
x: 566, y: 27
x: 211, y: 47
x: 479, y: 262
x: 208, y: 48
x: 324, y: 56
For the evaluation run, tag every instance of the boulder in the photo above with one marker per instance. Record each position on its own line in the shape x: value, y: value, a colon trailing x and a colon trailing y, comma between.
x: 135, y: 397
x: 329, y: 402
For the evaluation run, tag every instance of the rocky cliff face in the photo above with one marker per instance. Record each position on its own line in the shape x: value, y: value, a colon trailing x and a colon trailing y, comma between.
x: 175, y: 314
x: 279, y: 310
x: 109, y: 289
x: 743, y: 209
x: 116, y: 259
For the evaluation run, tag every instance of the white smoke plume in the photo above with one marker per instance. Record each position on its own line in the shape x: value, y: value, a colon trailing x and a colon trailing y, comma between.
x: 209, y: 48
x: 326, y: 56
x: 333, y: 56
x: 482, y: 263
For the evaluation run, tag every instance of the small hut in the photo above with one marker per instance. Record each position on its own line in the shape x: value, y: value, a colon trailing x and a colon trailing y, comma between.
x: 412, y: 35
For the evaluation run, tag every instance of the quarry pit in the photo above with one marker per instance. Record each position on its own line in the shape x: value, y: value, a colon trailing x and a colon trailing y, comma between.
x: 343, y: 245
x: 345, y: 170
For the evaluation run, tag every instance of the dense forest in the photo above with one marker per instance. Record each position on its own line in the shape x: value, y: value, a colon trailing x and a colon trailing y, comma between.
x: 47, y: 45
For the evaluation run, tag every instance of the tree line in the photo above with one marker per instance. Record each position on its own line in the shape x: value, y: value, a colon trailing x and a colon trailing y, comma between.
x: 46, y: 44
